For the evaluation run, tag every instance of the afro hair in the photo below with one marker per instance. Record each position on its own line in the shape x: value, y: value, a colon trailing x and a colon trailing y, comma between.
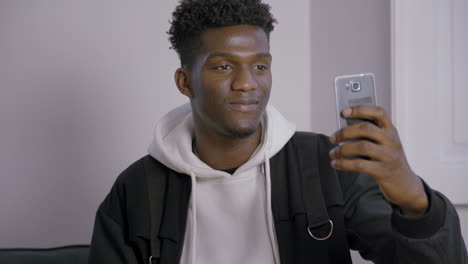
x: 192, y: 17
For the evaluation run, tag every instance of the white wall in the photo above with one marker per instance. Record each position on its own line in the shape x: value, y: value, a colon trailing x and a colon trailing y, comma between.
x: 82, y: 84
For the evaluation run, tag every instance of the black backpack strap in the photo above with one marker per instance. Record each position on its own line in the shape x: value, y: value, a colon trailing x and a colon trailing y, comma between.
x: 320, y: 226
x: 156, y: 182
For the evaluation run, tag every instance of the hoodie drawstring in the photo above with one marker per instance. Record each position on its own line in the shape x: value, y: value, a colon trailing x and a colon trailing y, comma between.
x: 193, y: 205
x: 269, y: 211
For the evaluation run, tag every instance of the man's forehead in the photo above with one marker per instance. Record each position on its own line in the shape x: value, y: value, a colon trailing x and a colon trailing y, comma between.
x: 240, y: 37
x: 238, y: 54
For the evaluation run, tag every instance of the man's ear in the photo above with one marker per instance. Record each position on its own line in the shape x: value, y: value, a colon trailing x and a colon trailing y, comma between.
x: 182, y: 80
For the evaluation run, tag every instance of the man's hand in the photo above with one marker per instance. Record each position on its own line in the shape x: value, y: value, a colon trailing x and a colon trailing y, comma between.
x: 387, y: 162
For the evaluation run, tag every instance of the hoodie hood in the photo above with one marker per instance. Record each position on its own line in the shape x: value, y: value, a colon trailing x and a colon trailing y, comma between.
x: 173, y: 135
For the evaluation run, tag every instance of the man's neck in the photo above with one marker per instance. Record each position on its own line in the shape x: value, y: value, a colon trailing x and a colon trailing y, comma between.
x: 222, y: 152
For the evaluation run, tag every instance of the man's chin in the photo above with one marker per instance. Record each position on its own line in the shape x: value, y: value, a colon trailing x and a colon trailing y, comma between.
x: 243, y: 131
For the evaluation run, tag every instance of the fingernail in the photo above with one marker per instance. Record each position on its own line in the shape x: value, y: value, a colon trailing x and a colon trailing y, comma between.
x: 347, y: 111
x: 333, y: 163
x: 333, y: 139
x: 332, y: 152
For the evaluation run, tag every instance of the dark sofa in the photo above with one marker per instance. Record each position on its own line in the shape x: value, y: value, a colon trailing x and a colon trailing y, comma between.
x: 76, y: 254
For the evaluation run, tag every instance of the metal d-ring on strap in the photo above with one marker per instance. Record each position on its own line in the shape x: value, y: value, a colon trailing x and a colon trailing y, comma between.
x: 150, y: 258
x: 330, y: 222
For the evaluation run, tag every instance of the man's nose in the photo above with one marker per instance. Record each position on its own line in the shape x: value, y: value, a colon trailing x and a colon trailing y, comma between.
x: 244, y: 80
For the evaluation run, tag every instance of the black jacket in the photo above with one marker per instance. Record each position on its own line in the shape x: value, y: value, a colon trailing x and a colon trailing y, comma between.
x: 362, y: 219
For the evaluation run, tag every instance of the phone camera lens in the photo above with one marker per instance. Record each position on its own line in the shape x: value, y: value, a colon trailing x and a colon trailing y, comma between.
x: 355, y: 86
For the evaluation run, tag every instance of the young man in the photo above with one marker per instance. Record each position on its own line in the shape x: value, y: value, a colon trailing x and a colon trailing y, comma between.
x: 228, y: 180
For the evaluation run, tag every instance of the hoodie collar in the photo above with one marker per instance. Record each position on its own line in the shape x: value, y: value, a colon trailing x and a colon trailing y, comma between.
x: 173, y: 135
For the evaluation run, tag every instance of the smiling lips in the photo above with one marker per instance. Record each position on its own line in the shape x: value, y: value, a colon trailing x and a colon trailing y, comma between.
x: 244, y: 104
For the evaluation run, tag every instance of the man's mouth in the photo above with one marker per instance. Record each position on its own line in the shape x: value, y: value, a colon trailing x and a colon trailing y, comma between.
x: 244, y: 104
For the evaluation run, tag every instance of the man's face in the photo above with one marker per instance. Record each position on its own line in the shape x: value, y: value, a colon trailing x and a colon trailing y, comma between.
x: 231, y: 80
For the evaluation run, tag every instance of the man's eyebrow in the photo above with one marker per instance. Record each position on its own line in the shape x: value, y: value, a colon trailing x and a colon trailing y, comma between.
x: 231, y: 55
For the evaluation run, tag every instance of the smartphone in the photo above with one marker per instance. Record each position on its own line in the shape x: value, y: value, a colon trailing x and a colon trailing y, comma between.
x: 351, y: 90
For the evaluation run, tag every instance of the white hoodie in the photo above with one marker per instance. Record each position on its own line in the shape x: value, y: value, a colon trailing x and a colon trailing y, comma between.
x: 229, y: 217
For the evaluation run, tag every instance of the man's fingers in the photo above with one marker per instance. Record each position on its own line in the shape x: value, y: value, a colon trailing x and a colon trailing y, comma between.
x: 359, y: 148
x: 370, y: 167
x: 360, y: 130
x: 374, y: 113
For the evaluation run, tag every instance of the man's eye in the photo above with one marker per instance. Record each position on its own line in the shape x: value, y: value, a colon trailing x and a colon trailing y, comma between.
x: 223, y: 67
x: 261, y: 67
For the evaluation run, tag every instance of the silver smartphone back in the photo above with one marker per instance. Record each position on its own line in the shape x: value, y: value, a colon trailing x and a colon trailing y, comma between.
x: 351, y: 90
